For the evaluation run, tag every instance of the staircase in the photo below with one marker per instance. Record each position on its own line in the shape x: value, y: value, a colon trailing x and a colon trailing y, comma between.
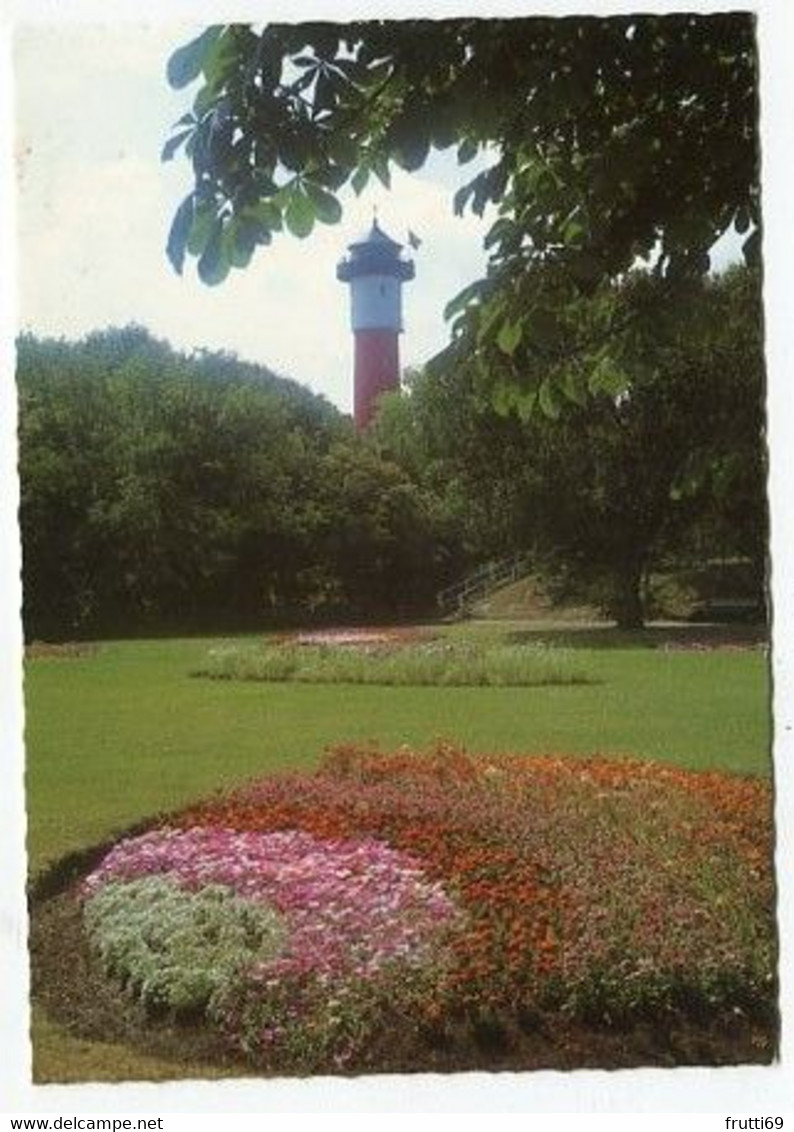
x: 456, y: 601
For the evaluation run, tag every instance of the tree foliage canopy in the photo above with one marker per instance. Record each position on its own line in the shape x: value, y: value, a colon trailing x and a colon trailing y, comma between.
x: 606, y: 140
x: 673, y: 468
x: 168, y: 492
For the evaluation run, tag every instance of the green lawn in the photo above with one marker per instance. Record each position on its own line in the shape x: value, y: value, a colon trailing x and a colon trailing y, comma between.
x: 118, y: 735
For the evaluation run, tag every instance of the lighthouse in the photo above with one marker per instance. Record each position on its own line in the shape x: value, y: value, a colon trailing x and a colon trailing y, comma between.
x: 376, y: 269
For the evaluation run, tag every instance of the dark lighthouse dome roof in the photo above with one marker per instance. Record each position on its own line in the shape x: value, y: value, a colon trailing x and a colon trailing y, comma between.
x: 375, y: 237
x: 375, y: 253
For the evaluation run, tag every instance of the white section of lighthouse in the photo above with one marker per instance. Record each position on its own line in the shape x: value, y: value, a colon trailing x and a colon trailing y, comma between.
x: 376, y: 269
x: 376, y: 303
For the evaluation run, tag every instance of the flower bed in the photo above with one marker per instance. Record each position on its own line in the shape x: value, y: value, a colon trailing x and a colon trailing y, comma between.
x: 359, y: 638
x: 449, y: 893
x: 429, y: 662
x: 331, y: 926
x: 68, y: 650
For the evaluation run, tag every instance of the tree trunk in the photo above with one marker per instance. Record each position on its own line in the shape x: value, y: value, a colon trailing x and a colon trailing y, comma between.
x: 627, y: 607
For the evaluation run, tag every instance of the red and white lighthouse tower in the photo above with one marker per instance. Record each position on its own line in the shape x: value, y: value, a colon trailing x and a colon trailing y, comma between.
x: 376, y: 269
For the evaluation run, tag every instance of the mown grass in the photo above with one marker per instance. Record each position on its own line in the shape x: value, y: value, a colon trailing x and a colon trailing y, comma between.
x: 102, y: 1061
x: 446, y: 662
x: 122, y: 733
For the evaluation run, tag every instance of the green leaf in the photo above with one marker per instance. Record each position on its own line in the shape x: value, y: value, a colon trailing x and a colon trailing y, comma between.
x: 509, y: 337
x: 205, y: 220
x: 380, y: 168
x: 359, y: 179
x: 326, y: 207
x: 503, y: 398
x: 490, y: 313
x: 343, y: 150
x: 177, y: 236
x: 331, y: 176
x: 242, y: 238
x: 299, y: 213
x: 412, y: 151
x: 468, y: 295
x: 607, y: 377
x: 324, y: 93
x: 547, y: 400
x: 751, y: 249
x: 526, y: 404
x: 205, y: 98
x: 741, y: 220
x: 186, y: 63
x: 267, y: 213
x: 173, y: 144
x: 586, y: 268
x: 543, y: 328
x: 444, y: 132
x: 467, y: 150
x: 240, y: 255
x: 489, y: 186
x: 461, y: 198
x: 214, y: 264
x: 220, y: 58
x: 572, y: 231
x: 502, y: 229
x: 574, y: 387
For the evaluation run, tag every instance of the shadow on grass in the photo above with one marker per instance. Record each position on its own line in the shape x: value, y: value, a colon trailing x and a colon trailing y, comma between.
x: 693, y: 637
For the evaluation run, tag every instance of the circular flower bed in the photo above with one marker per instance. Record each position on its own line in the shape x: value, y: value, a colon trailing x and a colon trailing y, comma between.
x: 390, y: 907
x: 359, y: 638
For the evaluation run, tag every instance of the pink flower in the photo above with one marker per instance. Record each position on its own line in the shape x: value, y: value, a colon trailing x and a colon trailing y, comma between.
x: 350, y: 906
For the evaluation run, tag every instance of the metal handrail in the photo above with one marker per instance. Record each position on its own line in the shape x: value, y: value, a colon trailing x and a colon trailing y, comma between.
x: 481, y: 581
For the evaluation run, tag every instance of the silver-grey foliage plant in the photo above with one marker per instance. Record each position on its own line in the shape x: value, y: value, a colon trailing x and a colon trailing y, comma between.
x: 178, y: 949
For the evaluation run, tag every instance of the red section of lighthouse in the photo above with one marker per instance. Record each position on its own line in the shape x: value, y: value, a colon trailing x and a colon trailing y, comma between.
x: 376, y: 371
x: 376, y: 270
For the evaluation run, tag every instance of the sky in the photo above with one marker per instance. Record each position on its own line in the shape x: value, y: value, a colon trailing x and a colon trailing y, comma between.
x: 95, y: 203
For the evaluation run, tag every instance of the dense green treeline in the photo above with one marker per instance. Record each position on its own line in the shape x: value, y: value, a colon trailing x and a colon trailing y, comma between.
x: 161, y: 491
x: 663, y: 469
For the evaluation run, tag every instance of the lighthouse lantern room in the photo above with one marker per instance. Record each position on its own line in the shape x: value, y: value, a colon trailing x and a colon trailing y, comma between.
x: 376, y: 269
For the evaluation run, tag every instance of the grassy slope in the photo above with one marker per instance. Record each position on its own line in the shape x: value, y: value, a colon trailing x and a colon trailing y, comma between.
x: 118, y: 735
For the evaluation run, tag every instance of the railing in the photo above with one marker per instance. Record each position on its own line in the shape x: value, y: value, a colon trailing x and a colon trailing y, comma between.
x: 456, y: 600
